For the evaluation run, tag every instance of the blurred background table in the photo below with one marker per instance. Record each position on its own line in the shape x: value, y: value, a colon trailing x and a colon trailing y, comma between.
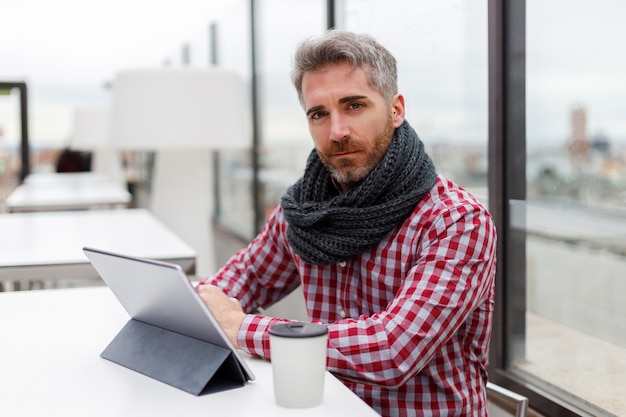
x: 67, y: 191
x: 46, y: 247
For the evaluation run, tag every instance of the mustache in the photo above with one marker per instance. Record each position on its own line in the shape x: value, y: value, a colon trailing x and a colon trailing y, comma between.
x: 346, y: 145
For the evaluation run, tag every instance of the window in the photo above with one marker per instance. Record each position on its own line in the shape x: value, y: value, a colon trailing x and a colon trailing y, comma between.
x: 285, y: 139
x: 575, y: 338
x: 282, y: 133
x: 441, y: 49
x: 231, y: 40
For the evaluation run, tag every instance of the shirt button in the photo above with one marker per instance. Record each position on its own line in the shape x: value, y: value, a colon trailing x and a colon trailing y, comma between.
x: 343, y: 314
x: 342, y: 264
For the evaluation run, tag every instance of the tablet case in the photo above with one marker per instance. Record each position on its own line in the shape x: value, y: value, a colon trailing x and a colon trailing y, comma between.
x: 192, y: 365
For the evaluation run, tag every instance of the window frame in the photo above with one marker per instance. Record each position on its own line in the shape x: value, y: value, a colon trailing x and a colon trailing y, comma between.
x: 24, y: 141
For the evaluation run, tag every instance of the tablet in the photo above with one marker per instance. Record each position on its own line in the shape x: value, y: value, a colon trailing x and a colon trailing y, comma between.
x: 160, y: 294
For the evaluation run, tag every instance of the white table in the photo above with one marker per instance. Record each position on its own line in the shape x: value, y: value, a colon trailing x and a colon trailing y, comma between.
x: 50, y: 366
x: 42, y: 246
x: 64, y: 178
x: 67, y: 191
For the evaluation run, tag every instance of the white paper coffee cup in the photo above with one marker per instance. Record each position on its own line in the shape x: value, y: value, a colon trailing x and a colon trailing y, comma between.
x: 298, y: 352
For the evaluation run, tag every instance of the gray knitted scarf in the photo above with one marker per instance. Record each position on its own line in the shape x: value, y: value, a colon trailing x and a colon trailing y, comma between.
x: 326, y: 226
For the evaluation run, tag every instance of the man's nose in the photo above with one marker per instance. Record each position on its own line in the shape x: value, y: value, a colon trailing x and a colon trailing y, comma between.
x: 339, y: 128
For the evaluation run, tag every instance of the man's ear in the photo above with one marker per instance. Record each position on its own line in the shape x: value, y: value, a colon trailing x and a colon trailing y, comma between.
x: 397, y: 108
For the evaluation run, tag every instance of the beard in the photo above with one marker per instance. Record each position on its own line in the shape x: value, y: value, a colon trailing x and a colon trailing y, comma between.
x: 348, y: 171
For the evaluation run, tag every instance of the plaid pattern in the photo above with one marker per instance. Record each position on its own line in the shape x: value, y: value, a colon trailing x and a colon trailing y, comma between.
x: 409, y: 320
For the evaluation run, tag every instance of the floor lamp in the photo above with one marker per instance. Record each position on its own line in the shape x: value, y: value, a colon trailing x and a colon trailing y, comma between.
x: 91, y: 132
x: 182, y: 115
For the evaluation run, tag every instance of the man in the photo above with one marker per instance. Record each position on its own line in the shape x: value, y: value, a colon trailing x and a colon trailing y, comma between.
x: 395, y: 260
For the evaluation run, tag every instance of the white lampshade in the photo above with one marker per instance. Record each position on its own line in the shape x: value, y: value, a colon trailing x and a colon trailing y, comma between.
x: 178, y: 109
x: 182, y: 114
x: 91, y: 128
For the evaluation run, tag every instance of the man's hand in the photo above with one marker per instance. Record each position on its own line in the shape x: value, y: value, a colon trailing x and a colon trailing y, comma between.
x: 227, y: 311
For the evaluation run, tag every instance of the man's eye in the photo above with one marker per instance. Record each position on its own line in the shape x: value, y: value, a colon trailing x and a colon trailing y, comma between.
x: 355, y: 106
x: 317, y: 115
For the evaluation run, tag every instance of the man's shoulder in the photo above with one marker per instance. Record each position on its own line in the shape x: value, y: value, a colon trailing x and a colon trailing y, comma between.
x: 448, y: 192
x: 447, y: 198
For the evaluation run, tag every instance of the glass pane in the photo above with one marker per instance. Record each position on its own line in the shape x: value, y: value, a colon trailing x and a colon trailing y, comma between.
x: 285, y: 139
x: 576, y: 216
x: 235, y: 205
x: 283, y: 133
x: 441, y: 48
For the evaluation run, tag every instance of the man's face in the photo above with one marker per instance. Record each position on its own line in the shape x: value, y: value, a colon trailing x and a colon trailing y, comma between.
x: 350, y: 122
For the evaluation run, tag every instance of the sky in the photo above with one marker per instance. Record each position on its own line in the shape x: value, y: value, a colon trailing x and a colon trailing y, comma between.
x: 72, y: 48
x: 73, y: 40
x: 575, y: 57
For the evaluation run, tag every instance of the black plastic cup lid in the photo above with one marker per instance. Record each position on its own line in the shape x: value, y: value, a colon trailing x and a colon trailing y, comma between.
x: 298, y: 330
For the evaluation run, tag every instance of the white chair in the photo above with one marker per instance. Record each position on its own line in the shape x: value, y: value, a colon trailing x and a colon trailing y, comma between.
x: 504, y: 402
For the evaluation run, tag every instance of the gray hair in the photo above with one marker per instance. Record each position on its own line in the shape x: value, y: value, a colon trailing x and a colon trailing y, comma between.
x: 336, y: 47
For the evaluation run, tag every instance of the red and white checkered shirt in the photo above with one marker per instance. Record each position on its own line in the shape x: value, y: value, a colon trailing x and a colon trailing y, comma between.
x: 409, y: 320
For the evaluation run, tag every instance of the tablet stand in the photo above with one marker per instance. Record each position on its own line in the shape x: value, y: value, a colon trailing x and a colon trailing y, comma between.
x: 184, y: 362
